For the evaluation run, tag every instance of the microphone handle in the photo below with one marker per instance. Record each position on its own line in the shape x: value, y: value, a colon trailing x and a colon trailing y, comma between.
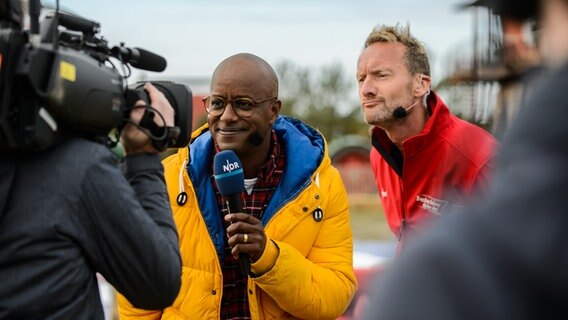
x: 244, y: 263
x: 235, y: 205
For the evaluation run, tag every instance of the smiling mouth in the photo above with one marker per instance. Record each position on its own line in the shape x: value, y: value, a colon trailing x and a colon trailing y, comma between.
x: 229, y: 131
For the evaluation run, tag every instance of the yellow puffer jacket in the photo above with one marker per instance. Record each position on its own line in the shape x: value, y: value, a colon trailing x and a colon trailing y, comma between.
x: 313, y: 275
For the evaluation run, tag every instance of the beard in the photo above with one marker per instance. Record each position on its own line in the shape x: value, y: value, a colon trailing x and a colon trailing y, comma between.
x: 380, y: 115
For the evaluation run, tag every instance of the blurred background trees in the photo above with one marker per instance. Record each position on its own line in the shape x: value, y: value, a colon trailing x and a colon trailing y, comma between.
x: 326, y: 98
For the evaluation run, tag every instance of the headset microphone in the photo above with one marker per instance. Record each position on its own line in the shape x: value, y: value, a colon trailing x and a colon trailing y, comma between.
x: 256, y: 139
x: 401, y: 112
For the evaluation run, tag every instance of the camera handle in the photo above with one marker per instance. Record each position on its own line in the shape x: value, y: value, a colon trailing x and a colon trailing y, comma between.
x: 162, y: 137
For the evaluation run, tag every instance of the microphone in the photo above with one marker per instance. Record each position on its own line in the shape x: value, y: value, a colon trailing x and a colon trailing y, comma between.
x: 230, y: 178
x: 402, y: 112
x: 256, y: 139
x: 140, y: 58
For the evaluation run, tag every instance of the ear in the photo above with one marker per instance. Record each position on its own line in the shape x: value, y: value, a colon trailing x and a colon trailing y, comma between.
x: 423, y: 85
x: 275, y: 110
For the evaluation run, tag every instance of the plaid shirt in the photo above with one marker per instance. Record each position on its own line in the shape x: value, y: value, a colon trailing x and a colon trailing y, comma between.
x: 234, y: 303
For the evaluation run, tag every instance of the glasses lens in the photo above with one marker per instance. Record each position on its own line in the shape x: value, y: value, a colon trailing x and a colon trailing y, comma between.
x: 215, y: 105
x: 243, y: 107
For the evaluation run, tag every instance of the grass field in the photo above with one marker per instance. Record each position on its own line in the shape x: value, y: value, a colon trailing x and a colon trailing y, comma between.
x: 367, y: 218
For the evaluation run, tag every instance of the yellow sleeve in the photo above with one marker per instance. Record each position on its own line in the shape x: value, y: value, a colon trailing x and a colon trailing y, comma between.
x: 267, y: 260
x: 321, y: 284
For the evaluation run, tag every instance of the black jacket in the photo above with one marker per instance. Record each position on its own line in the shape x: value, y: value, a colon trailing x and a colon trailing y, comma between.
x: 68, y: 212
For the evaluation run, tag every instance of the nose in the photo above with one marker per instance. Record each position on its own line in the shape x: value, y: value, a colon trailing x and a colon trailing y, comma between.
x: 367, y: 88
x: 229, y: 113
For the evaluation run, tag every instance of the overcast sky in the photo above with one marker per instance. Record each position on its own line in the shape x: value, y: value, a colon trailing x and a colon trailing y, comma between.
x: 195, y: 35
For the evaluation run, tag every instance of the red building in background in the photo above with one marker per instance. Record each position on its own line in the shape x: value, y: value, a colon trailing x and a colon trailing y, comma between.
x: 199, y: 114
x: 350, y: 155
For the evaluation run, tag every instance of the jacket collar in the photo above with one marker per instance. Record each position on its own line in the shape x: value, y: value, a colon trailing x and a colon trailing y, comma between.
x: 306, y: 151
x: 439, y: 121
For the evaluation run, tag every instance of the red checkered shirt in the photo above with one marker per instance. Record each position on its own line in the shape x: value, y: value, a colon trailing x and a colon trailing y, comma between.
x: 234, y: 303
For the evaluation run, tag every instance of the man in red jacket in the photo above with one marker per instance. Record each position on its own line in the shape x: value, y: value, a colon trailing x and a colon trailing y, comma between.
x: 425, y: 160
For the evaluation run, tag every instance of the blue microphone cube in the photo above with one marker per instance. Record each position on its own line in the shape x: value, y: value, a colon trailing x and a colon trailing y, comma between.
x: 228, y: 173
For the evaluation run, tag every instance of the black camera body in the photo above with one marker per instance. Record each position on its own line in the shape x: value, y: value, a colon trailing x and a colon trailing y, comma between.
x: 63, y: 80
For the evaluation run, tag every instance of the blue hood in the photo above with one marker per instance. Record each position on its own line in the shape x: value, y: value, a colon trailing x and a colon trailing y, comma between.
x: 305, y: 150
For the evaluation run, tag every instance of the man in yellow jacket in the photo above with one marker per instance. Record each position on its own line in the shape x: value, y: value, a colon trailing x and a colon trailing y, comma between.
x: 295, y: 226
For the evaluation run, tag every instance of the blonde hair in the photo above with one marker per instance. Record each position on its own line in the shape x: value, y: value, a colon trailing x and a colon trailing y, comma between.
x: 416, y: 55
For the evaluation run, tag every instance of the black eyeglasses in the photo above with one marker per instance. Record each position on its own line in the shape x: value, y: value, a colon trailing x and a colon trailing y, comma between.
x: 243, y: 107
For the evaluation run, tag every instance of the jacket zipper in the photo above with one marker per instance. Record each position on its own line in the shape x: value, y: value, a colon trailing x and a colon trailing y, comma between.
x: 402, y: 225
x: 402, y: 207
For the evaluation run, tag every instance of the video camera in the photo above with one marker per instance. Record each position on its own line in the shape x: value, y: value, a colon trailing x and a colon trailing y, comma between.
x: 59, y: 78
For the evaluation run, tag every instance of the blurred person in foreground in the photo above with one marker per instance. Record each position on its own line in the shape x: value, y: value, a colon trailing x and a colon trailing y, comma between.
x: 506, y: 258
x: 426, y: 161
x: 295, y: 226
x: 69, y: 212
x: 519, y: 56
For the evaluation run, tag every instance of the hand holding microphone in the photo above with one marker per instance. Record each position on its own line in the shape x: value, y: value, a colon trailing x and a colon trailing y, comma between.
x: 245, y: 234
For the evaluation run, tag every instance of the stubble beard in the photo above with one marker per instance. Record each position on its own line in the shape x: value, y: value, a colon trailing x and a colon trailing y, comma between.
x: 379, y: 116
